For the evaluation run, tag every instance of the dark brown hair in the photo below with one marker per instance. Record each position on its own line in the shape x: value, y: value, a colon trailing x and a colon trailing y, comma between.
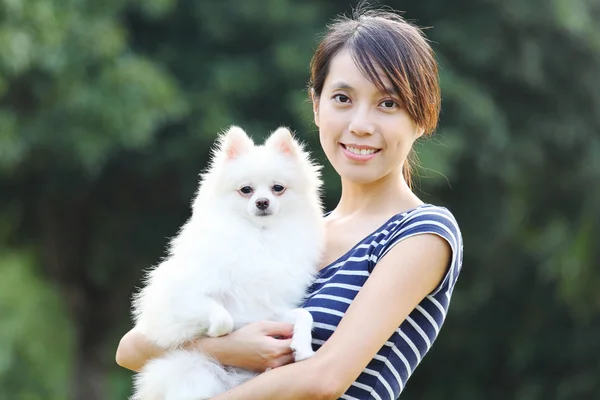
x: 385, y: 46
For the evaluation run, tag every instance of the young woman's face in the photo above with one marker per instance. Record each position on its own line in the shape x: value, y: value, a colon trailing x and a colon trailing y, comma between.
x: 366, y: 134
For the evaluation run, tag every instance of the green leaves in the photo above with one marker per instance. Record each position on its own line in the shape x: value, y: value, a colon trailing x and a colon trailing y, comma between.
x: 74, y: 90
x: 108, y: 110
x: 36, y: 336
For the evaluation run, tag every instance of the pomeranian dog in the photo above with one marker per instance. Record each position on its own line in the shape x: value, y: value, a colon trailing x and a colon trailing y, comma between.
x: 249, y: 252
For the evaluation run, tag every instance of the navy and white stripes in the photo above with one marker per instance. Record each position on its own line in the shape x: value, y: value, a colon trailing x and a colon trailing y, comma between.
x: 337, y: 285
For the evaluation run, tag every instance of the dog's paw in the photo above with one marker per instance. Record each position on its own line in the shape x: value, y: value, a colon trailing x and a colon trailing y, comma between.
x: 300, y: 355
x: 220, y: 324
x: 301, y: 352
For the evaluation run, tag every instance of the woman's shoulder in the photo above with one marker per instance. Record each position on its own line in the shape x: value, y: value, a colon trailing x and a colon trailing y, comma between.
x: 425, y: 219
x: 421, y: 217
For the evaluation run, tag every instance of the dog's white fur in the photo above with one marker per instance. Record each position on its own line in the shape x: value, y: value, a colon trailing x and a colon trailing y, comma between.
x: 229, y: 266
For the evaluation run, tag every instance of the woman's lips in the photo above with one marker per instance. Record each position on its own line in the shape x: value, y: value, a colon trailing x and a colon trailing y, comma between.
x: 359, y: 152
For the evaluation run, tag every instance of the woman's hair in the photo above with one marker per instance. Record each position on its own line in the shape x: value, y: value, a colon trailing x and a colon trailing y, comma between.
x: 385, y: 46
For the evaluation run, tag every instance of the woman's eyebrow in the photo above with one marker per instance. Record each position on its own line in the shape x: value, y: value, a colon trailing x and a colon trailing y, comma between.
x: 341, y: 85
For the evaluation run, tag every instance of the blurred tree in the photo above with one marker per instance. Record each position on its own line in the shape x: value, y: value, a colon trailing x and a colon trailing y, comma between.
x: 107, y: 115
x: 35, y: 333
x: 107, y: 112
x: 521, y: 114
x: 73, y: 96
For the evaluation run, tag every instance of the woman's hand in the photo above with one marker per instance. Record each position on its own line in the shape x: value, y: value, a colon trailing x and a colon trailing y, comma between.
x: 257, y: 346
x: 253, y: 347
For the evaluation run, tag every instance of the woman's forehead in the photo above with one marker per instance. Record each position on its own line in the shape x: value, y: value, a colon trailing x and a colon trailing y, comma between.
x: 345, y: 74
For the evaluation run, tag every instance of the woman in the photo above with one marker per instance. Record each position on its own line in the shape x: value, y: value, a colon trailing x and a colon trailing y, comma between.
x: 391, y: 262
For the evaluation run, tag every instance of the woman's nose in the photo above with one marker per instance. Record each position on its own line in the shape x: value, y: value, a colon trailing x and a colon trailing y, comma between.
x: 361, y: 122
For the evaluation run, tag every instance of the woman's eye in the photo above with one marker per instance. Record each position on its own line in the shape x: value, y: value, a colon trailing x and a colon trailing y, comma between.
x: 342, y: 98
x: 278, y: 188
x: 246, y: 190
x: 389, y: 104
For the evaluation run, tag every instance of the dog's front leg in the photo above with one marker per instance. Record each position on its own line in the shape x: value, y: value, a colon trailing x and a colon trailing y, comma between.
x: 172, y: 322
x: 302, y: 336
x: 220, y: 321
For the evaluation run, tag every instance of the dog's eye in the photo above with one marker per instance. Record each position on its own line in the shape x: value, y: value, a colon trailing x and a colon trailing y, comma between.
x: 246, y: 190
x: 278, y: 188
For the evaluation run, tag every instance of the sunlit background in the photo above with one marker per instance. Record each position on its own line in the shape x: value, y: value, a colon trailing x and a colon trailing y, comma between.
x: 107, y: 112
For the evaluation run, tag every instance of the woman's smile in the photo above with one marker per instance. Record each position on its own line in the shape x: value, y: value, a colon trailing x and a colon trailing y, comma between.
x: 359, y: 152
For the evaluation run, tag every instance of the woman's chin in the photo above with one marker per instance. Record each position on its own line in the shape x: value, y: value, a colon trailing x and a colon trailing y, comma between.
x: 358, y: 177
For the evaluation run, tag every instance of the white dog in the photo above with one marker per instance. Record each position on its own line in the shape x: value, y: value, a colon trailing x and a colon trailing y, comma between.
x: 248, y: 253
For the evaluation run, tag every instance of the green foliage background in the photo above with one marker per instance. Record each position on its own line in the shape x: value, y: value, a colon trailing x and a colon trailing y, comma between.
x: 107, y: 113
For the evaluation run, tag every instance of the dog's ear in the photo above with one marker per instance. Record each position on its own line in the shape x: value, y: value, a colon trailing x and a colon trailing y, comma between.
x: 235, y: 142
x: 283, y: 141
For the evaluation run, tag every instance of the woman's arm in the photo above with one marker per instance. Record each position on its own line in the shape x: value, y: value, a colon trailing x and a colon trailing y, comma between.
x: 252, y: 347
x: 408, y: 273
x: 135, y: 350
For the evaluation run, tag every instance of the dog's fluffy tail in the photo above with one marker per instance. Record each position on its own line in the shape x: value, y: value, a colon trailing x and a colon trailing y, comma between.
x: 184, y: 375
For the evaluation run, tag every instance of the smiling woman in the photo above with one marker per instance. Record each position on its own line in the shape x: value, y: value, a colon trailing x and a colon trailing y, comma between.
x: 382, y: 59
x: 359, y: 123
x: 391, y: 262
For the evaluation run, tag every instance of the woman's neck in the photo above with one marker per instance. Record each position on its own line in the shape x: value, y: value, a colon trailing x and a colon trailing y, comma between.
x: 389, y: 195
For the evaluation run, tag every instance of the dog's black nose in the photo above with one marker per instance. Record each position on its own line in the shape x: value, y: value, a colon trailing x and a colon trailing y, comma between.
x: 262, y: 204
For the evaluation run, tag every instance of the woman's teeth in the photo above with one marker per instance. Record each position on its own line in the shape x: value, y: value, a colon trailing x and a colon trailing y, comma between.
x: 360, y: 152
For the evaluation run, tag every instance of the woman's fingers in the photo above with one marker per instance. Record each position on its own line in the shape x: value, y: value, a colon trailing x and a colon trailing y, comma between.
x: 283, y: 346
x: 282, y: 360
x: 272, y: 328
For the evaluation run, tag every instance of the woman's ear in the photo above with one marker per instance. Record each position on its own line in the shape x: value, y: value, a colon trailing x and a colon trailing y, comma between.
x: 315, y: 104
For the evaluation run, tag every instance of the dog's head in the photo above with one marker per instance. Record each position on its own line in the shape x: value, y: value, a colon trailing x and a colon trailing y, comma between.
x: 262, y: 182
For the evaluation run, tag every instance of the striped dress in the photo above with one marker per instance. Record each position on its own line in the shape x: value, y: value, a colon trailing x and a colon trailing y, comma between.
x: 338, y: 283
